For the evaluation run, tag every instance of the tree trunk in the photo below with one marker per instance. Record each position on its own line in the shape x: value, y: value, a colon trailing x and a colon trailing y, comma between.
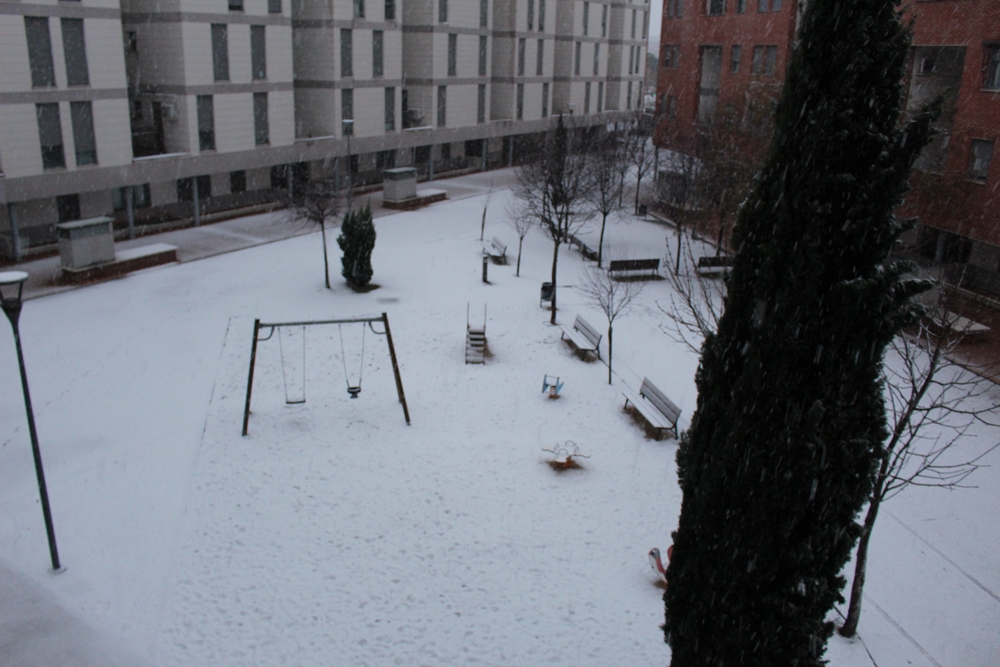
x: 555, y: 262
x: 482, y: 225
x: 326, y: 261
x: 680, y: 239
x: 609, y: 352
x: 722, y: 227
x: 850, y: 626
x: 600, y: 244
x: 520, y: 242
x: 638, y: 181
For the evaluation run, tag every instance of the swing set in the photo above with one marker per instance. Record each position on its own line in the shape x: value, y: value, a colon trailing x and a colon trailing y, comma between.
x: 353, y: 388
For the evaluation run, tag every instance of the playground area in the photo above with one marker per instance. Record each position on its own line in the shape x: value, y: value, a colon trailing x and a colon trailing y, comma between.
x: 335, y: 532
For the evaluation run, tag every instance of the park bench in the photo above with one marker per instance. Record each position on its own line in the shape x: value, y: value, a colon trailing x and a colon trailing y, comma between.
x: 947, y: 322
x: 585, y: 250
x: 709, y: 266
x: 658, y: 410
x: 583, y: 336
x: 496, y: 251
x: 618, y: 267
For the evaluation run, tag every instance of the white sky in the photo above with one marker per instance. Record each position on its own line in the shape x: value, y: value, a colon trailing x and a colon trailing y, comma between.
x: 655, y: 18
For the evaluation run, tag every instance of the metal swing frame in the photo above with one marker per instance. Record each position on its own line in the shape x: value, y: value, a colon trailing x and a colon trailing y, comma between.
x: 259, y: 326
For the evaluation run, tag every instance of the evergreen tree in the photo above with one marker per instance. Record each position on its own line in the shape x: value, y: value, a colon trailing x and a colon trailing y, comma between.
x: 790, y: 418
x: 357, y: 240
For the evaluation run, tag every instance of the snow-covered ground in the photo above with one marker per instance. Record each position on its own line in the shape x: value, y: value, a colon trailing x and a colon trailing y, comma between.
x: 337, y: 534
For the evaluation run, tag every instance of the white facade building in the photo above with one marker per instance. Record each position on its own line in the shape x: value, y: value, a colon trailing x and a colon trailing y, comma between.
x: 164, y: 110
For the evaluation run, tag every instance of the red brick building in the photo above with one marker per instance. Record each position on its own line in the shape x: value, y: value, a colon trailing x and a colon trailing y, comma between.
x: 724, y: 60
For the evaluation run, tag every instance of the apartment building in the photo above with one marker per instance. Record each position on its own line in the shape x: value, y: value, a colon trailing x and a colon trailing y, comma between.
x: 725, y: 59
x: 177, y: 111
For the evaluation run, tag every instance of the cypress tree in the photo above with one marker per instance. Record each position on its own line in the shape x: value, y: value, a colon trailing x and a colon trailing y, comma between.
x: 357, y: 240
x: 779, y: 457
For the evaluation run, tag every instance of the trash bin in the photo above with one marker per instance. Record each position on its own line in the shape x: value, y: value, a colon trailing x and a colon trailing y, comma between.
x: 547, y: 290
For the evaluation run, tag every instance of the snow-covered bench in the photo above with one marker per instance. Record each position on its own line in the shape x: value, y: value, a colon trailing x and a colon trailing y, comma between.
x: 658, y: 410
x: 623, y: 266
x: 708, y: 266
x: 957, y: 324
x: 583, y: 336
x: 496, y: 251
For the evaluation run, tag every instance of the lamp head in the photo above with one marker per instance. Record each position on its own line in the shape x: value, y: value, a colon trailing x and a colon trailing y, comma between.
x: 11, y: 287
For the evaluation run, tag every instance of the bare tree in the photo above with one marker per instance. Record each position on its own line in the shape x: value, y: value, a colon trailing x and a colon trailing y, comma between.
x: 678, y: 196
x: 606, y: 161
x: 486, y: 205
x: 522, y: 222
x: 315, y: 202
x: 552, y: 188
x: 640, y: 154
x: 613, y: 297
x: 931, y: 403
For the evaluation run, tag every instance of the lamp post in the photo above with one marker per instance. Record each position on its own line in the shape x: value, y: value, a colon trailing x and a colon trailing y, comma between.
x: 348, y: 130
x: 11, y: 289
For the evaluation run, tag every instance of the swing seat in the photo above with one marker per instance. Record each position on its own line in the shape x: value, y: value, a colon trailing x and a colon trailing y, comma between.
x: 354, y: 391
x: 294, y: 402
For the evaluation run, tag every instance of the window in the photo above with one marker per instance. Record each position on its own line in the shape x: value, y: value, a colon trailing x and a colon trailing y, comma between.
x: 75, y: 50
x: 68, y: 208
x: 586, y: 17
x: 237, y: 181
x: 131, y: 42
x: 604, y: 20
x: 140, y: 197
x: 50, y: 135
x: 715, y: 7
x: 540, y: 58
x: 520, y: 101
x: 631, y: 59
x: 709, y: 83
x: 645, y: 26
x: 633, y: 23
x: 768, y: 5
x: 576, y: 59
x: 545, y: 100
x: 628, y: 97
x: 520, y: 56
x: 377, y: 53
x: 734, y: 61
x: 43, y: 73
x: 347, y: 111
x: 236, y: 5
x: 991, y: 71
x: 597, y: 59
x: 531, y: 15
x: 671, y: 56
x: 390, y: 109
x: 445, y: 152
x: 482, y: 55
x: 770, y: 60
x: 359, y: 9
x: 442, y: 11
x: 586, y: 97
x: 741, y: 6
x: 82, y: 117
x: 442, y: 105
x: 186, y: 187
x: 258, y: 52
x: 261, y: 130
x: 541, y: 15
x: 273, y: 7
x: 346, y: 53
x: 600, y: 96
x: 453, y: 54
x: 390, y: 10
x: 979, y: 159
x: 385, y: 159
x: 137, y: 110
x: 206, y: 123
x: 757, y: 62
x: 481, y: 104
x: 484, y: 13
x: 220, y: 52
x: 672, y: 107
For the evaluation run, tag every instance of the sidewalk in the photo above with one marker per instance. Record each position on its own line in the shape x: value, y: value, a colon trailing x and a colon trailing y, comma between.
x: 216, y: 238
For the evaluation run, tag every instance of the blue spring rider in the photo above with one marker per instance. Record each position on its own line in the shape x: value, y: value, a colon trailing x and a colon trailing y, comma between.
x: 552, y: 385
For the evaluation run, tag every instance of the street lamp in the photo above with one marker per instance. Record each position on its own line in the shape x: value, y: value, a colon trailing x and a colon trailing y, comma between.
x: 348, y: 131
x: 11, y: 288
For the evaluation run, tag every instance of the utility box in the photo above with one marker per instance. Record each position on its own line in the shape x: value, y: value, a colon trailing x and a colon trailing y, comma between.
x: 84, y: 243
x: 399, y: 185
